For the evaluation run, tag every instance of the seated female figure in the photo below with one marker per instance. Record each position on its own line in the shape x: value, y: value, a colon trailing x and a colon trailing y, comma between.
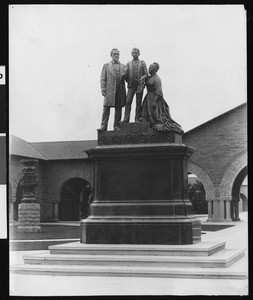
x: 154, y: 108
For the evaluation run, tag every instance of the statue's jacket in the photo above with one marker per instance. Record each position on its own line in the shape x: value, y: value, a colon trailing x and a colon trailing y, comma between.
x: 142, y: 72
x: 108, y: 84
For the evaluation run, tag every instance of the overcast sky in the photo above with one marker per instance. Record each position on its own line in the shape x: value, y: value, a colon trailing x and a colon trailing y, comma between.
x: 56, y: 54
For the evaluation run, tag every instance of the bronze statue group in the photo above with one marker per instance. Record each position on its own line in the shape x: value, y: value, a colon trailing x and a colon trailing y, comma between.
x: 153, y: 108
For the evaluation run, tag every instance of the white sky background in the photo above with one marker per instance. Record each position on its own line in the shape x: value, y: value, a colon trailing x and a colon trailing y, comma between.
x: 56, y: 54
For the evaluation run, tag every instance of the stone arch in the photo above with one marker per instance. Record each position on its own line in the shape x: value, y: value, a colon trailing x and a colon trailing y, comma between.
x: 205, y: 177
x: 238, y: 182
x: 55, y: 190
x: 236, y: 193
x: 15, y: 176
x: 13, y: 183
x: 233, y: 168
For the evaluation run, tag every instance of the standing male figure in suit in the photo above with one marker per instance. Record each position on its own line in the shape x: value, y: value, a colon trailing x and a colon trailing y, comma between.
x: 135, y: 74
x: 113, y: 89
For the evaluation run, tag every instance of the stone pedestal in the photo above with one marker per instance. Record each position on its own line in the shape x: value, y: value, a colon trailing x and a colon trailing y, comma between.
x: 29, y: 217
x: 29, y: 209
x: 210, y: 210
x: 141, y: 189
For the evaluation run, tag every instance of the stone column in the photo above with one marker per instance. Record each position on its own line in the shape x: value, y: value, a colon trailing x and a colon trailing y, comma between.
x: 215, y: 210
x: 29, y: 209
x: 221, y: 210
x: 55, y: 212
x: 228, y: 210
x: 236, y: 211
x: 210, y: 210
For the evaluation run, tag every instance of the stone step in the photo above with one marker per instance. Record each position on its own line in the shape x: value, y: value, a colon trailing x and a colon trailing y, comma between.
x: 221, y: 259
x: 198, y: 249
x: 124, y: 271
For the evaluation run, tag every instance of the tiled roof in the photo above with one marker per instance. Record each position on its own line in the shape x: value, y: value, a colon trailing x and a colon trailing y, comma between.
x: 64, y: 150
x: 23, y: 148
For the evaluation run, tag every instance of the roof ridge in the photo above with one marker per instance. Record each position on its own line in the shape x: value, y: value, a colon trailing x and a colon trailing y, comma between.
x: 64, y: 141
x: 38, y: 151
x: 12, y: 140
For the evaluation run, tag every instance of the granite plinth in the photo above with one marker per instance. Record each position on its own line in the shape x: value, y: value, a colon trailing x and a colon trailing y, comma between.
x: 137, y: 133
x: 140, y: 192
x: 29, y: 216
x: 150, y: 231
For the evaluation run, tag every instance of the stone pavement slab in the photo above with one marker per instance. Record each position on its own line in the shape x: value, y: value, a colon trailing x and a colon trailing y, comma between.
x: 236, y: 237
x: 30, y: 285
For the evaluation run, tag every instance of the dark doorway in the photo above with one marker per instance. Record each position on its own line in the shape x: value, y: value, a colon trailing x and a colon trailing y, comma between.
x: 197, y: 195
x: 74, y: 200
x: 236, y: 193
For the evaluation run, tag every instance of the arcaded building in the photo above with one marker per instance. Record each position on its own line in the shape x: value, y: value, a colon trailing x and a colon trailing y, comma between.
x: 66, y: 174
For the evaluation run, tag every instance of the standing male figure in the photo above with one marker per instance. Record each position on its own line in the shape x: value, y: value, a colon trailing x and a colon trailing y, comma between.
x: 135, y: 74
x: 113, y: 89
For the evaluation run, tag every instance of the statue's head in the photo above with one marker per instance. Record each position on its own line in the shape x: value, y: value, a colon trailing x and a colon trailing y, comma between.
x: 115, y: 54
x: 135, y: 53
x: 153, y: 68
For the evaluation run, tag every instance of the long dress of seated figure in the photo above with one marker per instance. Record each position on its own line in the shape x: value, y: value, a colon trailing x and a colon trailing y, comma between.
x: 154, y: 108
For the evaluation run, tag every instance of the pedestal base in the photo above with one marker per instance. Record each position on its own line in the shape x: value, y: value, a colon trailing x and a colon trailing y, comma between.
x: 29, y: 217
x: 140, y: 189
x: 150, y: 231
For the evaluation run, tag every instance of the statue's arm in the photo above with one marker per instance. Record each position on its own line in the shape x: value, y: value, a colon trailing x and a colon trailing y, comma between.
x: 125, y: 72
x: 145, y: 76
x: 145, y: 69
x: 103, y: 80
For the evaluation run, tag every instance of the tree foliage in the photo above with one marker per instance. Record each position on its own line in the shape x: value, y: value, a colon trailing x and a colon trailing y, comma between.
x: 197, y: 196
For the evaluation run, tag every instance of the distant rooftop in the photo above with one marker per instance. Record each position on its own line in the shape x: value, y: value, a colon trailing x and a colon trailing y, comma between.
x: 64, y: 150
x: 51, y: 150
x: 23, y: 148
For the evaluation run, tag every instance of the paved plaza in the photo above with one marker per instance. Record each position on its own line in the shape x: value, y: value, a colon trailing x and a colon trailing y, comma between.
x: 236, y: 237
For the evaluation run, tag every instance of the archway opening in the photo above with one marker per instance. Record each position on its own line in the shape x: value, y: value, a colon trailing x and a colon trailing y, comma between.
x: 236, y: 191
x: 197, y: 194
x: 243, y: 204
x: 74, y: 200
